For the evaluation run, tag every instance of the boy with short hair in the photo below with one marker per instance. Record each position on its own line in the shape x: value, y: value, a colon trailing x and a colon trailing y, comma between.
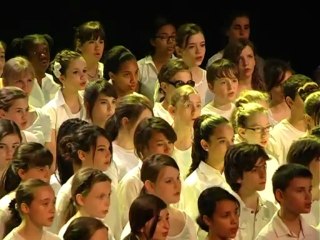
x: 245, y: 172
x: 292, y: 184
x: 223, y: 83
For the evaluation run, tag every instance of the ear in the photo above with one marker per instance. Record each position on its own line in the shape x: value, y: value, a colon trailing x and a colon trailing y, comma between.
x: 124, y: 121
x: 210, y: 86
x: 241, y: 131
x: 80, y: 199
x: 22, y: 173
x: 24, y: 208
x: 149, y: 186
x: 2, y: 113
x: 279, y: 195
x: 239, y: 180
x: 111, y: 75
x: 163, y: 86
x: 204, y: 144
x: 289, y: 101
x: 171, y: 109
x: 152, y: 42
x: 206, y: 220
x: 82, y: 155
x: 309, y: 121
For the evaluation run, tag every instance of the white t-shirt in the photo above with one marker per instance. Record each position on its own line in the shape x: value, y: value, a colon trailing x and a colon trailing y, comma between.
x: 183, y: 159
x: 210, y: 109
x: 159, y: 111
x: 14, y: 235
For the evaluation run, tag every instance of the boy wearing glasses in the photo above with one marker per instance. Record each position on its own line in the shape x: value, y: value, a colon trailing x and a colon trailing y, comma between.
x: 245, y: 172
x: 174, y: 74
x: 223, y: 83
x: 292, y: 189
x: 293, y: 127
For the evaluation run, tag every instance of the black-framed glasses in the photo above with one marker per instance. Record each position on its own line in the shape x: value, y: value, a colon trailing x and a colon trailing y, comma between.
x: 260, y: 129
x: 179, y: 83
x: 166, y: 38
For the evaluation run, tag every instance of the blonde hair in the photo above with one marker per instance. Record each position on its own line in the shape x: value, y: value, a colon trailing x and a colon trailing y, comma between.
x: 251, y: 95
x: 182, y: 94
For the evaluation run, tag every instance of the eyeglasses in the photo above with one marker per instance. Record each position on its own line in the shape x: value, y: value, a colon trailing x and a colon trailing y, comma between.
x: 260, y: 129
x: 179, y: 83
x: 167, y: 38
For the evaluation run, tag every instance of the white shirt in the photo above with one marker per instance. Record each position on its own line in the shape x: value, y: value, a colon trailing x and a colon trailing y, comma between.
x: 159, y: 111
x: 14, y: 235
x: 125, y: 159
x: 183, y: 159
x: 210, y: 109
x: 277, y: 229
x: 128, y: 190
x: 59, y: 111
x: 39, y: 96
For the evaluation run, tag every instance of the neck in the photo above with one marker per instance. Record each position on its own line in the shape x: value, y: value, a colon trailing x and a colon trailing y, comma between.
x: 165, y: 104
x: 184, y: 136
x: 98, y: 123
x: 28, y: 230
x: 160, y: 59
x: 196, y: 72
x: 39, y: 76
x: 222, y: 105
x: 315, y: 192
x: 124, y: 140
x: 291, y: 220
x: 215, y: 163
x: 214, y: 236
x: 297, y: 121
x: 81, y: 213
x: 249, y: 197
x: 278, y: 105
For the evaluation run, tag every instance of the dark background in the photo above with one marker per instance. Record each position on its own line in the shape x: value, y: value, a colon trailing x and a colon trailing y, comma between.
x: 282, y: 29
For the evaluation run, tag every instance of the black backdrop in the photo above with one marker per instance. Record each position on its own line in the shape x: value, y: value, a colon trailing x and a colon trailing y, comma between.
x: 280, y: 29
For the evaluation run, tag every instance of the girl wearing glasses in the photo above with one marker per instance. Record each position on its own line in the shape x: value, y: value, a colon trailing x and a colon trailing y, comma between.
x: 175, y: 73
x: 252, y: 125
x: 191, y: 47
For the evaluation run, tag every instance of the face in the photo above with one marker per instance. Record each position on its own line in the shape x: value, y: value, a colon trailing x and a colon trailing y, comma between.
x: 126, y: 79
x: 8, y: 145
x: 239, y: 29
x: 168, y: 185
x: 2, y: 58
x: 255, y: 179
x: 168, y: 87
x: 76, y: 77
x: 39, y: 56
x: 276, y: 92
x: 257, y: 129
x: 225, y: 220
x: 101, y: 233
x: 162, y: 228
x: 314, y: 168
x: 297, y: 198
x: 25, y: 82
x: 103, y: 109
x: 43, y: 173
x: 194, y: 51
x: 246, y: 63
x: 186, y: 111
x: 165, y: 40
x: 158, y: 144
x: 92, y: 50
x: 99, y: 197
x: 100, y: 157
x: 18, y: 112
x: 42, y: 208
x: 297, y: 106
x: 225, y: 90
x: 219, y: 142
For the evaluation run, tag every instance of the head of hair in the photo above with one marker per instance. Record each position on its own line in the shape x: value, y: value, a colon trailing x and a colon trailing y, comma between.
x: 130, y: 106
x: 312, y: 107
x: 244, y: 111
x: 15, y: 68
x: 233, y: 52
x: 83, y: 228
x: 250, y: 95
x: 203, y: 128
x: 207, y: 203
x: 182, y: 94
x: 307, y: 89
x: 8, y: 127
x: 185, y: 31
x: 274, y: 71
x: 24, y: 194
x: 85, y: 139
x: 25, y: 46
x: 64, y: 58
x: 67, y: 128
x: 304, y: 150
x: 231, y: 16
x: 315, y: 131
x: 115, y: 57
x: 26, y: 156
x: 146, y: 129
x: 286, y: 173
x: 3, y: 45
x: 241, y: 158
x: 143, y: 209
x: 221, y: 68
x: 93, y: 90
x: 152, y: 165
x: 82, y: 183
x: 91, y: 30
x: 293, y: 83
x: 8, y: 95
